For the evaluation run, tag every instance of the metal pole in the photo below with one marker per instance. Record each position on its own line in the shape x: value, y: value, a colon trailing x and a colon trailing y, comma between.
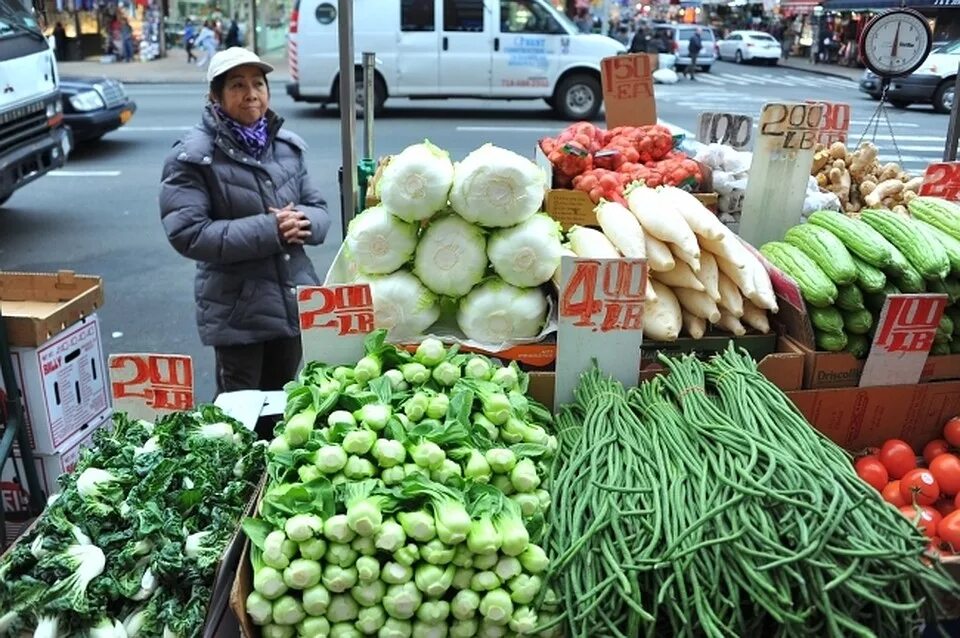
x: 253, y: 26
x: 369, y: 100
x: 953, y: 128
x: 348, y: 116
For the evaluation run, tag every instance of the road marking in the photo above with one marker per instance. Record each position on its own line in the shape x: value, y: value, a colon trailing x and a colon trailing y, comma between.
x: 730, y: 77
x: 143, y: 129
x: 909, y: 159
x: 85, y: 173
x: 506, y: 129
x: 871, y: 123
x: 677, y: 130
x: 703, y: 77
x: 776, y: 80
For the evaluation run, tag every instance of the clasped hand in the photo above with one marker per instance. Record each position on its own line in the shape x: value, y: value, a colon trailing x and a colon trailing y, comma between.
x: 293, y: 225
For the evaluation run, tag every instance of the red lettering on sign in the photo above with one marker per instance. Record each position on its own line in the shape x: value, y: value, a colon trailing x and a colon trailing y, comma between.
x: 835, y: 123
x: 628, y: 76
x: 163, y: 382
x: 621, y: 286
x: 910, y: 324
x: 351, y: 308
x: 942, y: 180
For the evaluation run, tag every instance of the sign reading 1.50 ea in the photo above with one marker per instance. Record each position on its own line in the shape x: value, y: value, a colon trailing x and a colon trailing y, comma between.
x: 731, y: 129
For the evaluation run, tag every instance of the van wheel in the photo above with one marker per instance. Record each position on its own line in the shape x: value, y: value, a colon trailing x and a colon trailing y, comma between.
x: 551, y: 102
x: 3, y: 200
x: 379, y: 95
x: 578, y: 97
x: 943, y: 98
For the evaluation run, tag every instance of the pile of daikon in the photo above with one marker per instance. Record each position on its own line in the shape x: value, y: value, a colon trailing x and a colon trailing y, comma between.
x: 701, y: 273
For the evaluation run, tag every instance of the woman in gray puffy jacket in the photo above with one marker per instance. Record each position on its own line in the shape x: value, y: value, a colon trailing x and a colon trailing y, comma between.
x: 236, y: 198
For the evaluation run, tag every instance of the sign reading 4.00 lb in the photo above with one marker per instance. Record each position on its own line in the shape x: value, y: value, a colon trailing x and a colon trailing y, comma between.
x: 731, y: 129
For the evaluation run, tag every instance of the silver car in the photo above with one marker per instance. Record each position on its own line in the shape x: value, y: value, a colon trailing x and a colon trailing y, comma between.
x: 678, y: 38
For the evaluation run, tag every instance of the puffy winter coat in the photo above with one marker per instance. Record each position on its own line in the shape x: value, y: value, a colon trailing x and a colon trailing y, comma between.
x: 214, y: 206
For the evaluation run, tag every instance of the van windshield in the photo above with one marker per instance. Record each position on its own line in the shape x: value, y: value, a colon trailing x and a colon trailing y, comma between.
x: 705, y: 34
x: 15, y: 20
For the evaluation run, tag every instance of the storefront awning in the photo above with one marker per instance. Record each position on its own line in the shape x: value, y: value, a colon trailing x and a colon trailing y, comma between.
x: 798, y: 6
x: 872, y: 5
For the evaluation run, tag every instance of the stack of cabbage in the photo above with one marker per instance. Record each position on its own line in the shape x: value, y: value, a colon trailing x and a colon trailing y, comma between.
x: 404, y: 499
x: 469, y: 233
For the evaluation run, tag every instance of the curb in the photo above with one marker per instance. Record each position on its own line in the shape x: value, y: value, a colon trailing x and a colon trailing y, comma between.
x: 817, y: 72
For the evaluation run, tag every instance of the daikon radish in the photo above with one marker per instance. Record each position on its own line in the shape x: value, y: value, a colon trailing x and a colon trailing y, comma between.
x: 730, y: 298
x: 651, y: 210
x: 651, y: 294
x: 697, y: 303
x: 696, y: 327
x: 691, y: 260
x: 661, y: 317
x: 698, y: 217
x: 564, y: 252
x: 755, y: 317
x: 587, y: 242
x: 731, y: 324
x: 659, y: 257
x: 709, y: 274
x: 764, y: 296
x: 742, y: 277
x: 622, y: 229
x: 680, y: 277
x: 728, y: 248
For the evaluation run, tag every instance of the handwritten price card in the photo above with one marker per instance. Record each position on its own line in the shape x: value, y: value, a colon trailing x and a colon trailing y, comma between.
x: 731, y: 129
x: 779, y: 171
x: 148, y: 386
x: 835, y: 125
x: 600, y: 318
x: 628, y: 89
x: 942, y: 180
x: 903, y: 339
x: 334, y: 321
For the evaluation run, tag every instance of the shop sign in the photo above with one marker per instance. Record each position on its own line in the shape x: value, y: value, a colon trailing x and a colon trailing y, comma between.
x: 942, y: 179
x: 147, y: 386
x: 600, y: 319
x: 334, y: 320
x: 628, y: 89
x: 835, y: 124
x: 903, y: 338
x: 732, y: 129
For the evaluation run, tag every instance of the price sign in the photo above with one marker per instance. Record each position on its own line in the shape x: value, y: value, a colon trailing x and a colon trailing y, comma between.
x: 334, y: 321
x: 791, y: 127
x: 942, y: 180
x: 147, y: 386
x: 731, y: 129
x: 903, y: 339
x: 835, y: 124
x: 628, y: 89
x: 600, y: 318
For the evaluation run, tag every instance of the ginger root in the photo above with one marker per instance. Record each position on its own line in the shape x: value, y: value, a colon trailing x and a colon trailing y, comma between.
x: 883, y: 190
x: 837, y: 151
x: 912, y: 185
x: 820, y: 160
x: 840, y: 183
x: 863, y: 160
x: 890, y: 171
x: 867, y: 187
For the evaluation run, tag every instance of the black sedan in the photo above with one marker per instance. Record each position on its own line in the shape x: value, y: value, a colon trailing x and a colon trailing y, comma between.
x: 92, y: 107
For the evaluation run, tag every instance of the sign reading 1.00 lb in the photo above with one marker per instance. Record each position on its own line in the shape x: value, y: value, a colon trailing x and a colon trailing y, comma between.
x: 731, y: 129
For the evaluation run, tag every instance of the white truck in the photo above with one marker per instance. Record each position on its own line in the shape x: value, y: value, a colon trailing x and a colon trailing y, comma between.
x: 33, y: 137
x: 429, y: 49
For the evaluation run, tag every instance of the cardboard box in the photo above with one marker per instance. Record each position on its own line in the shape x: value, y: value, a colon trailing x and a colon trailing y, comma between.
x: 64, y: 383
x: 945, y: 367
x: 531, y: 357
x: 38, y: 306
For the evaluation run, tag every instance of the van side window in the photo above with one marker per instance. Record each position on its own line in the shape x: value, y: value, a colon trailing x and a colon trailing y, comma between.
x: 463, y: 15
x: 417, y: 15
x: 527, y: 16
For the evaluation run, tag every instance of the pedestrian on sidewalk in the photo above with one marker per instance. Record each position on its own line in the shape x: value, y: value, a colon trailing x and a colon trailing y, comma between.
x: 60, y: 42
x: 640, y: 42
x: 207, y: 42
x: 219, y: 207
x: 126, y: 38
x: 189, y: 35
x: 233, y: 34
x: 693, y: 49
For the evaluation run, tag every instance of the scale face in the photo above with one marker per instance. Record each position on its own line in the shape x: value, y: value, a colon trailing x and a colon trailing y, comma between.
x: 896, y: 42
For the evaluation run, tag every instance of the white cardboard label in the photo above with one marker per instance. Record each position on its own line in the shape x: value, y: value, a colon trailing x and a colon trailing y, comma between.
x: 147, y: 386
x: 601, y: 319
x: 334, y: 321
x: 732, y: 129
x: 903, y: 339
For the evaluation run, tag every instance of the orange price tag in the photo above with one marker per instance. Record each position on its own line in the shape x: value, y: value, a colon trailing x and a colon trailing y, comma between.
x: 942, y: 180
x: 835, y: 124
x: 628, y: 90
x: 149, y: 385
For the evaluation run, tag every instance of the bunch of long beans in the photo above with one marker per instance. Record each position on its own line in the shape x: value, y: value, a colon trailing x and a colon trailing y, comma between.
x: 702, y: 503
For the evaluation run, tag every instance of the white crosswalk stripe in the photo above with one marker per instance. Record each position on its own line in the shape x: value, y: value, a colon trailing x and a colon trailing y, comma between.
x: 771, y: 79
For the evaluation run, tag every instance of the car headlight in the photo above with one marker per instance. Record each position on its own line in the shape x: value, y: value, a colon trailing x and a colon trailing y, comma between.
x: 54, y: 108
x: 87, y: 101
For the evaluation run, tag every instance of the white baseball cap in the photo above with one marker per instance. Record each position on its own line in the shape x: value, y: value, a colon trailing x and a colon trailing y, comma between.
x: 233, y: 57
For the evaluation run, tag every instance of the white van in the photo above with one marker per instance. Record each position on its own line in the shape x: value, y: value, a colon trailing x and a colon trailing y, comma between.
x: 427, y: 49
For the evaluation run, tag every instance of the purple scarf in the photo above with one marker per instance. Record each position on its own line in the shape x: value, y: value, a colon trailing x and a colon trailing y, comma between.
x: 253, y: 139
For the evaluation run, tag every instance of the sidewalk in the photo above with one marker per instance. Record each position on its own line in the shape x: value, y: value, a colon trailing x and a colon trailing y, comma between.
x: 172, y: 69
x: 833, y: 70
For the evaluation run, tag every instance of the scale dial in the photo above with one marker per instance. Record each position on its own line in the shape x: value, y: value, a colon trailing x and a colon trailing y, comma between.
x: 896, y: 42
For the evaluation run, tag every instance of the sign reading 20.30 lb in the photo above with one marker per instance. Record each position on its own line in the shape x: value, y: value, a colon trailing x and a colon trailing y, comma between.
x: 791, y: 127
x: 731, y: 129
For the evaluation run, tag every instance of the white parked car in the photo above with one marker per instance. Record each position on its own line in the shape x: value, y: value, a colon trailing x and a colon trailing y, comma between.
x: 743, y: 46
x: 428, y: 49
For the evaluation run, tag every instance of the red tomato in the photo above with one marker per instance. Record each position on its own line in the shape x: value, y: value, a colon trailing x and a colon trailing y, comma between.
x: 946, y: 469
x: 891, y: 494
x: 956, y: 502
x: 934, y: 449
x: 945, y: 506
x: 949, y: 530
x: 871, y: 470
x: 951, y: 431
x: 898, y: 457
x: 925, y: 518
x: 919, y: 486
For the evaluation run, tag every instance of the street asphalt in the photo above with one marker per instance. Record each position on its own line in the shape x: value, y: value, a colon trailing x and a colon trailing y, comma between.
x: 99, y: 215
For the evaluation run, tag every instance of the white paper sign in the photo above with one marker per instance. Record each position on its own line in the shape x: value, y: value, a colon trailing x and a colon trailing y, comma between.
x: 334, y: 321
x: 903, y: 339
x: 732, y: 129
x: 147, y: 386
x: 600, y: 318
